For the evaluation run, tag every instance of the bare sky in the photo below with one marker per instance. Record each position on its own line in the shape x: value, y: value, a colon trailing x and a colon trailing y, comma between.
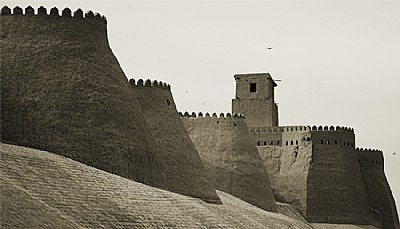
x: 339, y: 61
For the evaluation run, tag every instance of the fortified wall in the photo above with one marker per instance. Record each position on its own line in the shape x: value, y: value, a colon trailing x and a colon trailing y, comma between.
x: 184, y: 170
x: 380, y: 198
x: 230, y: 158
x: 316, y: 169
x: 63, y: 91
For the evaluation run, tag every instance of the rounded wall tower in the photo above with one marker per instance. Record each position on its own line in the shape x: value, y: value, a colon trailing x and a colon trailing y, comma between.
x: 62, y: 90
x: 380, y: 197
x: 184, y: 171
x: 230, y: 157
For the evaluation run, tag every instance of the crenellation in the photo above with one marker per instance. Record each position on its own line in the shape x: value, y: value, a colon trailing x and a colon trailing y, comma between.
x: 149, y: 84
x: 54, y: 12
x: 97, y: 16
x: 369, y: 150
x: 42, y: 11
x: 66, y: 12
x: 29, y: 10
x: 89, y: 14
x: 132, y: 83
x: 267, y: 130
x: 17, y: 10
x: 78, y: 14
x: 214, y: 115
x: 5, y: 10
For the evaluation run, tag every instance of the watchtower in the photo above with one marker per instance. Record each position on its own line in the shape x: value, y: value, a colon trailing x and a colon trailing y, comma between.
x: 255, y: 99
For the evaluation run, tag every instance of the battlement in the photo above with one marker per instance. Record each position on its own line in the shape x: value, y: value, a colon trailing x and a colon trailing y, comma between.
x: 149, y: 83
x: 213, y: 115
x: 54, y: 12
x: 299, y: 129
x: 370, y: 151
x: 368, y: 157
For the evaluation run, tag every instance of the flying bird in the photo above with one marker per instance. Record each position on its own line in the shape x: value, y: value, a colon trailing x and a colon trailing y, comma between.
x: 269, y: 48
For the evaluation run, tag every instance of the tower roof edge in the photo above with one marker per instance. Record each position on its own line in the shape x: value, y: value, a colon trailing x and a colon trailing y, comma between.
x: 253, y: 75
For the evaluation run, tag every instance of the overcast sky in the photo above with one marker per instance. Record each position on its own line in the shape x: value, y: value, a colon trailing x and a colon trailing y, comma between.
x: 339, y: 61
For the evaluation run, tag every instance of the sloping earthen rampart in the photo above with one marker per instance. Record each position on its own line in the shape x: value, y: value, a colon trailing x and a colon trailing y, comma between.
x: 184, y: 170
x: 62, y: 90
x: 43, y: 190
x: 230, y: 158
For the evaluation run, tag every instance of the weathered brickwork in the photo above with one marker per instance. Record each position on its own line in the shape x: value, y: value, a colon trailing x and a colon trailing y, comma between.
x: 255, y: 99
x: 184, y: 170
x: 380, y: 197
x: 336, y: 192
x: 44, y: 190
x: 287, y: 167
x: 63, y: 90
x: 314, y: 168
x: 230, y: 158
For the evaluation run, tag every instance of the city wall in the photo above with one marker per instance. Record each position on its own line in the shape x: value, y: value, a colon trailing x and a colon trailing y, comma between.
x: 316, y: 169
x: 336, y: 192
x: 230, y: 157
x: 62, y: 90
x: 380, y: 197
x: 184, y: 170
x: 288, y: 168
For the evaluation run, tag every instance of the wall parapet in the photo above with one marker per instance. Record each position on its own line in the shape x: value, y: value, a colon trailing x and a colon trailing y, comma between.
x: 149, y: 83
x: 54, y: 12
x: 368, y: 150
x: 369, y: 157
x: 299, y: 129
x: 213, y: 115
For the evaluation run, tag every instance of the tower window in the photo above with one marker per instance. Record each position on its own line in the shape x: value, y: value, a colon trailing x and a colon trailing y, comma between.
x: 253, y: 87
